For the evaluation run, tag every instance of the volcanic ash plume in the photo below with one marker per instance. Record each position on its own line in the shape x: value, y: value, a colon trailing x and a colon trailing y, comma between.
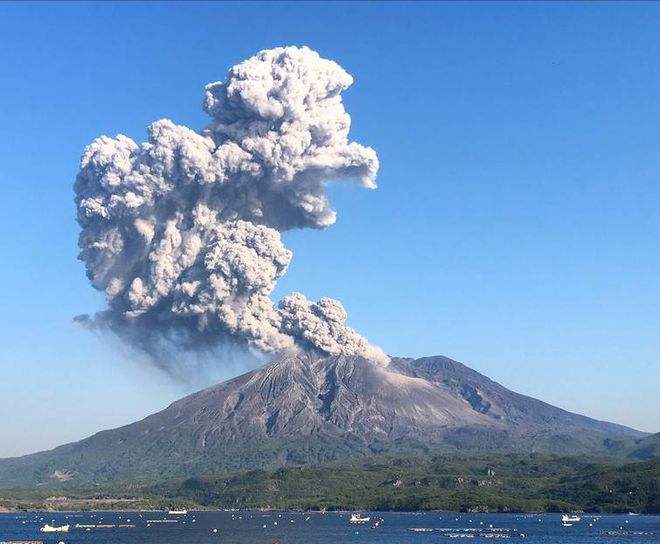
x: 182, y: 232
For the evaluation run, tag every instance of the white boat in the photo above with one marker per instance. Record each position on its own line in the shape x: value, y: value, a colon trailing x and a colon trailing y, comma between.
x: 356, y: 518
x: 51, y: 529
x: 178, y: 512
x: 568, y: 518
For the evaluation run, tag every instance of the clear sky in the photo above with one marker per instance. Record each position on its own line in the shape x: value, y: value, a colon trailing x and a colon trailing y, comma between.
x: 515, y: 228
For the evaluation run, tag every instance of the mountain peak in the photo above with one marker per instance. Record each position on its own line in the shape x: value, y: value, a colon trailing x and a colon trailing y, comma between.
x: 306, y: 408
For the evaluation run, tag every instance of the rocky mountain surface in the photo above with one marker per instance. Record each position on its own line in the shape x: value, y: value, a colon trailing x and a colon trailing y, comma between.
x: 311, y: 409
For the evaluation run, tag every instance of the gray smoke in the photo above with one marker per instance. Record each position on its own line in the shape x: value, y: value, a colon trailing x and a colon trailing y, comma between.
x: 182, y: 232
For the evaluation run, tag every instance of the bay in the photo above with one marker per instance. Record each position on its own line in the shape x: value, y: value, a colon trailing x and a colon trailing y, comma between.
x: 255, y: 527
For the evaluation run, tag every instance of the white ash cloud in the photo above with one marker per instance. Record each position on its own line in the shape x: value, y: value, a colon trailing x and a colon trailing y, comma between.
x: 182, y: 232
x: 322, y: 325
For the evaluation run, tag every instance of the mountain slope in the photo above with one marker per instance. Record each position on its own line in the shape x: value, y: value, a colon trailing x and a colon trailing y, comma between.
x: 307, y: 409
x: 647, y: 447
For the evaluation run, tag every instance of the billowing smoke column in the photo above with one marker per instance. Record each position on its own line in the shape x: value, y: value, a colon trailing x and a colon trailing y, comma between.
x: 182, y: 232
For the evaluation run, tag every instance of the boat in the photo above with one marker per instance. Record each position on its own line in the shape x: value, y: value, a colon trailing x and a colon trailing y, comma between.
x: 178, y: 512
x: 356, y: 518
x: 570, y: 518
x: 52, y: 529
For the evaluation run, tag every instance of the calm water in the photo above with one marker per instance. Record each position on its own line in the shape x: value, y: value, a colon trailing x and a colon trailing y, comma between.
x: 330, y: 528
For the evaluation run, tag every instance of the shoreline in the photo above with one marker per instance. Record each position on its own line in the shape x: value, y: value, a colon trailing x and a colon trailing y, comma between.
x: 339, y: 511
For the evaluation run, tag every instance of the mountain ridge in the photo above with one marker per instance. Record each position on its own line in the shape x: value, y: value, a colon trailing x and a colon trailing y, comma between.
x: 307, y: 409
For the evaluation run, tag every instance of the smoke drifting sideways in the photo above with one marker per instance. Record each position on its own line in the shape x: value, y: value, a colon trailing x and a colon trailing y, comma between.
x: 182, y: 232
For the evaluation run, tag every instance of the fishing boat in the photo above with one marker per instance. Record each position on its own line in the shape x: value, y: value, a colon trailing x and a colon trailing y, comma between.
x: 570, y: 518
x: 357, y: 519
x: 52, y: 529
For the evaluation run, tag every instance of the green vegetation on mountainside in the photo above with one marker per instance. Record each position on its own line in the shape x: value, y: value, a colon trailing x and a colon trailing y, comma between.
x: 501, y: 483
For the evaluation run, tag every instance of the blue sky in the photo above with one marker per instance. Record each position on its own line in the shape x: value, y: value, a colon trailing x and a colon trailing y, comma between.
x: 515, y: 227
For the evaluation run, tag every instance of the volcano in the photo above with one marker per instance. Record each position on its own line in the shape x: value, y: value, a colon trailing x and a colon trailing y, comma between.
x: 308, y: 409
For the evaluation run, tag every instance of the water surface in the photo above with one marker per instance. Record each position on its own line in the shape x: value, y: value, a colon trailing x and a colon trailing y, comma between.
x: 328, y: 528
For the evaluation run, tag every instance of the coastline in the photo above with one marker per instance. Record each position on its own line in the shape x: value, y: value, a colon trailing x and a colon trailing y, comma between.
x: 4, y: 510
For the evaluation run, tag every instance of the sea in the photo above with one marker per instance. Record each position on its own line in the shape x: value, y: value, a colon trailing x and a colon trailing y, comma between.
x: 256, y: 527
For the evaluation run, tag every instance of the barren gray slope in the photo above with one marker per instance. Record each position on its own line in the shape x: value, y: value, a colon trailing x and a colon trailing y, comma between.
x: 305, y: 409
